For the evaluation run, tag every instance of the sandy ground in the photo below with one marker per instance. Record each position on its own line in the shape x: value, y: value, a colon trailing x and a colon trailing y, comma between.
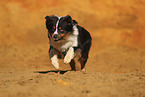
x: 115, y: 71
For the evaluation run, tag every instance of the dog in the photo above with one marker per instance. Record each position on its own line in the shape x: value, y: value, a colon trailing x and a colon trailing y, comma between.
x: 68, y: 41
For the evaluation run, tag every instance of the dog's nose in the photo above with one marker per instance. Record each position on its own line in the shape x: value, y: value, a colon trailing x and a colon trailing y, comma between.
x: 55, y: 36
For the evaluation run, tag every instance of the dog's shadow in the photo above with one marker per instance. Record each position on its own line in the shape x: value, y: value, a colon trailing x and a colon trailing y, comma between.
x: 52, y: 71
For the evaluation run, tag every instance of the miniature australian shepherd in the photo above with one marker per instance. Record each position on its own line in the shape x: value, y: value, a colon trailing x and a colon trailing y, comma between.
x: 68, y: 41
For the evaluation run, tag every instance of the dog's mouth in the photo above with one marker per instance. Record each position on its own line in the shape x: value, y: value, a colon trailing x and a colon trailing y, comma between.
x: 61, y: 37
x: 56, y: 40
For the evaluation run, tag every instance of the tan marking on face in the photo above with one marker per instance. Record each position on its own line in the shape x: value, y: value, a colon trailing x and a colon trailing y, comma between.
x: 59, y: 28
x: 64, y: 36
x: 53, y: 27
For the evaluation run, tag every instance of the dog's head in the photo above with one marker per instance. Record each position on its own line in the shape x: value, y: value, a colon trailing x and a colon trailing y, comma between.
x: 59, y: 27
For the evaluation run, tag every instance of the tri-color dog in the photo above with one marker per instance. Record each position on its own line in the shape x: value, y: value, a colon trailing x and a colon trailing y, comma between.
x: 68, y: 41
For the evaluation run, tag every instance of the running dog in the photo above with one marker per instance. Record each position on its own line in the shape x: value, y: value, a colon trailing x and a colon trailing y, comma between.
x: 68, y: 41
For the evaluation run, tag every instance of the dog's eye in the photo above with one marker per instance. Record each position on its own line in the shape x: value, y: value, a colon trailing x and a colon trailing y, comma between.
x: 62, y: 31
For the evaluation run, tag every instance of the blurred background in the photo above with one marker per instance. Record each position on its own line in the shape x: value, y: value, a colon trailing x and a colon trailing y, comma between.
x: 111, y: 23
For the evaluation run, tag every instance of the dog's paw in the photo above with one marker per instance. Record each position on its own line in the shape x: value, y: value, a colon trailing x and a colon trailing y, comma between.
x: 69, y: 56
x: 54, y: 62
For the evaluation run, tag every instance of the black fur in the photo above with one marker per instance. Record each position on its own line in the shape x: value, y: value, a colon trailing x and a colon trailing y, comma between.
x: 84, y: 42
x: 66, y: 23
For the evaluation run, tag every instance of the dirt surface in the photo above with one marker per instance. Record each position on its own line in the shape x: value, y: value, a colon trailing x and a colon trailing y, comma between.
x: 111, y: 72
x: 116, y: 65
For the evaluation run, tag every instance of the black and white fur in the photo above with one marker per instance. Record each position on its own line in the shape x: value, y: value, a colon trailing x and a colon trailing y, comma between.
x: 68, y: 41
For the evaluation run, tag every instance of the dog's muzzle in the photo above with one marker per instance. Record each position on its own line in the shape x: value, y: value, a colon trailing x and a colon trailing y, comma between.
x: 55, y: 37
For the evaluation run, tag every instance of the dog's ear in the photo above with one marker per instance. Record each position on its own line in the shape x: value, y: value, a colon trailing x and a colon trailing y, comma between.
x: 68, y: 19
x: 75, y: 22
x: 48, y: 19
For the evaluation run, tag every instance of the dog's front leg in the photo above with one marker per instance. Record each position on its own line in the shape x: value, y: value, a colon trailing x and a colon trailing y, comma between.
x: 53, y: 58
x: 69, y: 56
x: 54, y: 62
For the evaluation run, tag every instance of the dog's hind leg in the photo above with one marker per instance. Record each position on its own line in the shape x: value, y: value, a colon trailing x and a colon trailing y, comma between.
x: 72, y: 65
x: 84, y: 53
x: 80, y: 57
x: 75, y: 63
